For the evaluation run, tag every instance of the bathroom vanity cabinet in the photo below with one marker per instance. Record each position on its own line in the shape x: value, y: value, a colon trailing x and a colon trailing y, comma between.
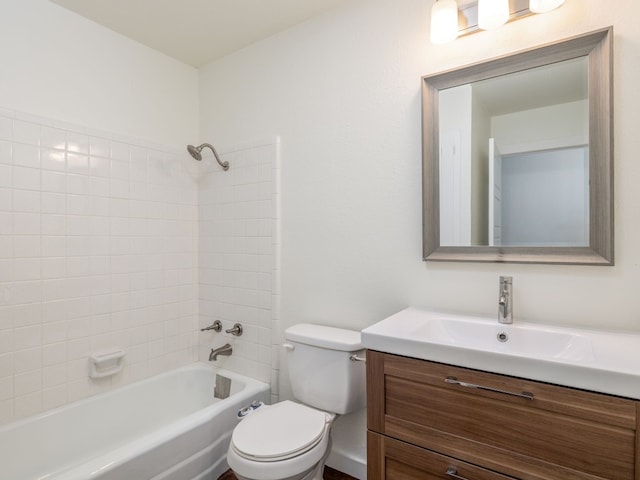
x: 429, y: 420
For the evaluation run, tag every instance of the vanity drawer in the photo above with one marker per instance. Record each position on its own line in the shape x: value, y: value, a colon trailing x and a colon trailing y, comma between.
x: 522, y: 428
x: 396, y: 460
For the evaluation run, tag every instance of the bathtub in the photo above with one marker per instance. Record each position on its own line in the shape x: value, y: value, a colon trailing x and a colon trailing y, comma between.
x: 168, y: 427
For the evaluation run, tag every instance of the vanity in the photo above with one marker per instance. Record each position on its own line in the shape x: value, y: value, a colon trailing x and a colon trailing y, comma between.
x: 468, y: 398
x: 445, y: 404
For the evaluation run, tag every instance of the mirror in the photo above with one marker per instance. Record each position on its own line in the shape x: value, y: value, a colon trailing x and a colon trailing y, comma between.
x: 517, y: 157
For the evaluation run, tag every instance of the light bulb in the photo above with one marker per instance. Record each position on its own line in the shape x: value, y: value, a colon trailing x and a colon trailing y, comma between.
x: 492, y: 13
x: 543, y: 6
x: 444, y: 21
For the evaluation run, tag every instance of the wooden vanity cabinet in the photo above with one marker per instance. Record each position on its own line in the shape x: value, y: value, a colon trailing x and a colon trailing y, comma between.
x: 429, y: 420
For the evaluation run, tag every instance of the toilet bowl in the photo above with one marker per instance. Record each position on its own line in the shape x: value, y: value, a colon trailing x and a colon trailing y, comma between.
x: 285, y: 441
x: 291, y: 440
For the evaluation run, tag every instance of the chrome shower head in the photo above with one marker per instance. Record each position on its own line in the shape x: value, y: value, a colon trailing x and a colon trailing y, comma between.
x: 196, y: 152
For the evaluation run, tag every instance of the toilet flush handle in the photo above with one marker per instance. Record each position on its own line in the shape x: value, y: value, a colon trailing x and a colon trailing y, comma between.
x: 288, y: 346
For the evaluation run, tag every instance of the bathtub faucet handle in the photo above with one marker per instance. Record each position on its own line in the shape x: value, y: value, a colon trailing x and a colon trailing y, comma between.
x: 236, y: 330
x: 215, y: 326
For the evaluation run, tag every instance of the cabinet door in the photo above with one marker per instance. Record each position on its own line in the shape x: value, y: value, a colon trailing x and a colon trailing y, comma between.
x: 390, y: 459
x: 519, y: 427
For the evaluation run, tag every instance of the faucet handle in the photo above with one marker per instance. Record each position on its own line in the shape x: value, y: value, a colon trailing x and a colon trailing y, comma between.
x: 215, y: 326
x: 236, y: 330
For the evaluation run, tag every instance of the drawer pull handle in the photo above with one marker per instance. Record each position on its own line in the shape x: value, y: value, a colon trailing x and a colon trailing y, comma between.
x: 455, y: 381
x: 453, y: 473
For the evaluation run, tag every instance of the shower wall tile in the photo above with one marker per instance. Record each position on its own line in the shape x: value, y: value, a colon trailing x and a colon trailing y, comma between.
x: 237, y: 265
x: 105, y: 241
x: 98, y: 249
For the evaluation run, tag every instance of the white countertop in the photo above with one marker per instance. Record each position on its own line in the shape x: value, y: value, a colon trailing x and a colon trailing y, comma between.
x: 601, y: 361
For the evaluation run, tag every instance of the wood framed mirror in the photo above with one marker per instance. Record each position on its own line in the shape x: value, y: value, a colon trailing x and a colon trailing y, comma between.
x: 548, y: 197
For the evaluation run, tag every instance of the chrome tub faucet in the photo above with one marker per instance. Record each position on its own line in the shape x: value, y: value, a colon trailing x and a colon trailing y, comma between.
x: 225, y: 350
x: 505, y: 302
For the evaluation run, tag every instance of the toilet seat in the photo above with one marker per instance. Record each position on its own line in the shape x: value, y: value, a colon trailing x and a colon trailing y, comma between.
x: 279, y: 432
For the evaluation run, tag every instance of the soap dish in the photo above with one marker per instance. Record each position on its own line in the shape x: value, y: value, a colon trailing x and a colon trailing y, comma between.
x: 105, y: 363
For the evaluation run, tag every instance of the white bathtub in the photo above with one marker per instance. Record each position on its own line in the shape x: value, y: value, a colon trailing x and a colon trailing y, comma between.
x: 168, y: 427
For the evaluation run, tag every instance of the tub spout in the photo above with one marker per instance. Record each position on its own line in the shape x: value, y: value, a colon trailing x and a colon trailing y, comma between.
x: 223, y: 350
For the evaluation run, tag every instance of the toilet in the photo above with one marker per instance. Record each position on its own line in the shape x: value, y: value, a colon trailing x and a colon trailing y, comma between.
x: 291, y: 440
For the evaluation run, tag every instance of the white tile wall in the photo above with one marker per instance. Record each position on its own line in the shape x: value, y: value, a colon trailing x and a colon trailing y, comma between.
x: 239, y: 232
x: 98, y: 249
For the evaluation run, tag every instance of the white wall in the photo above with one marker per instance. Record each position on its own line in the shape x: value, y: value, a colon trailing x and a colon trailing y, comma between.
x: 98, y: 230
x: 62, y: 66
x: 556, y: 126
x: 343, y: 91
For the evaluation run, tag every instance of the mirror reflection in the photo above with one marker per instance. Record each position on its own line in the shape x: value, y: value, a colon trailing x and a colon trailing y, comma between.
x: 514, y: 159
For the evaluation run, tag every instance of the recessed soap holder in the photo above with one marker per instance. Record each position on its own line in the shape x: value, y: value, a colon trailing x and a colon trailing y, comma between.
x: 105, y: 363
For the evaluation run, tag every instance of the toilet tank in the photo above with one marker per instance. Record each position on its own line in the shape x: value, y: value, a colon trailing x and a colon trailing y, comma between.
x: 320, y: 371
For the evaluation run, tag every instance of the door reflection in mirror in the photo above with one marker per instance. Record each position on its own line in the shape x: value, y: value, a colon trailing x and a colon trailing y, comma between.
x: 514, y: 159
x: 546, y: 198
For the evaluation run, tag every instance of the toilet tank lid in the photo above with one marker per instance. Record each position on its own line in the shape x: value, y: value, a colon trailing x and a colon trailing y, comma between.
x: 325, y: 337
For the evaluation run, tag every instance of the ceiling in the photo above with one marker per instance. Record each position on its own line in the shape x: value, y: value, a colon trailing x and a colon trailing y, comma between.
x: 198, y: 31
x: 552, y: 84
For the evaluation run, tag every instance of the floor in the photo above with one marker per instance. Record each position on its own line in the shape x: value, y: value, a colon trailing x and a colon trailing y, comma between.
x: 329, y: 474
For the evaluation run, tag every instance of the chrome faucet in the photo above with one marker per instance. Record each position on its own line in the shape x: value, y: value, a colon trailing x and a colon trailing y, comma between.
x: 225, y: 350
x: 505, y: 302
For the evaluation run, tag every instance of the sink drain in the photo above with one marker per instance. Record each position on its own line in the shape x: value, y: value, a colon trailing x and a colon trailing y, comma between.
x: 502, y: 337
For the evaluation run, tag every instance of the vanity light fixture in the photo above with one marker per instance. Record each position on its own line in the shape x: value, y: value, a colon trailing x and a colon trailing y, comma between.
x: 453, y: 18
x: 543, y: 6
x: 444, y: 21
x: 492, y: 13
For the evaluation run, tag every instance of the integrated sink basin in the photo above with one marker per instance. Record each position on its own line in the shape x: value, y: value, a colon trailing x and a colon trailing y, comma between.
x: 590, y: 359
x: 524, y: 340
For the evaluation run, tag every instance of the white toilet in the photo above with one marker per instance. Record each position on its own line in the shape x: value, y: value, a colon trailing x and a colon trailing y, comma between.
x: 289, y: 440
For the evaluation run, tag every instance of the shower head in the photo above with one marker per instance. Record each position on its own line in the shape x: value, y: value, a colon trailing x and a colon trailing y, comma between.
x: 196, y: 152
